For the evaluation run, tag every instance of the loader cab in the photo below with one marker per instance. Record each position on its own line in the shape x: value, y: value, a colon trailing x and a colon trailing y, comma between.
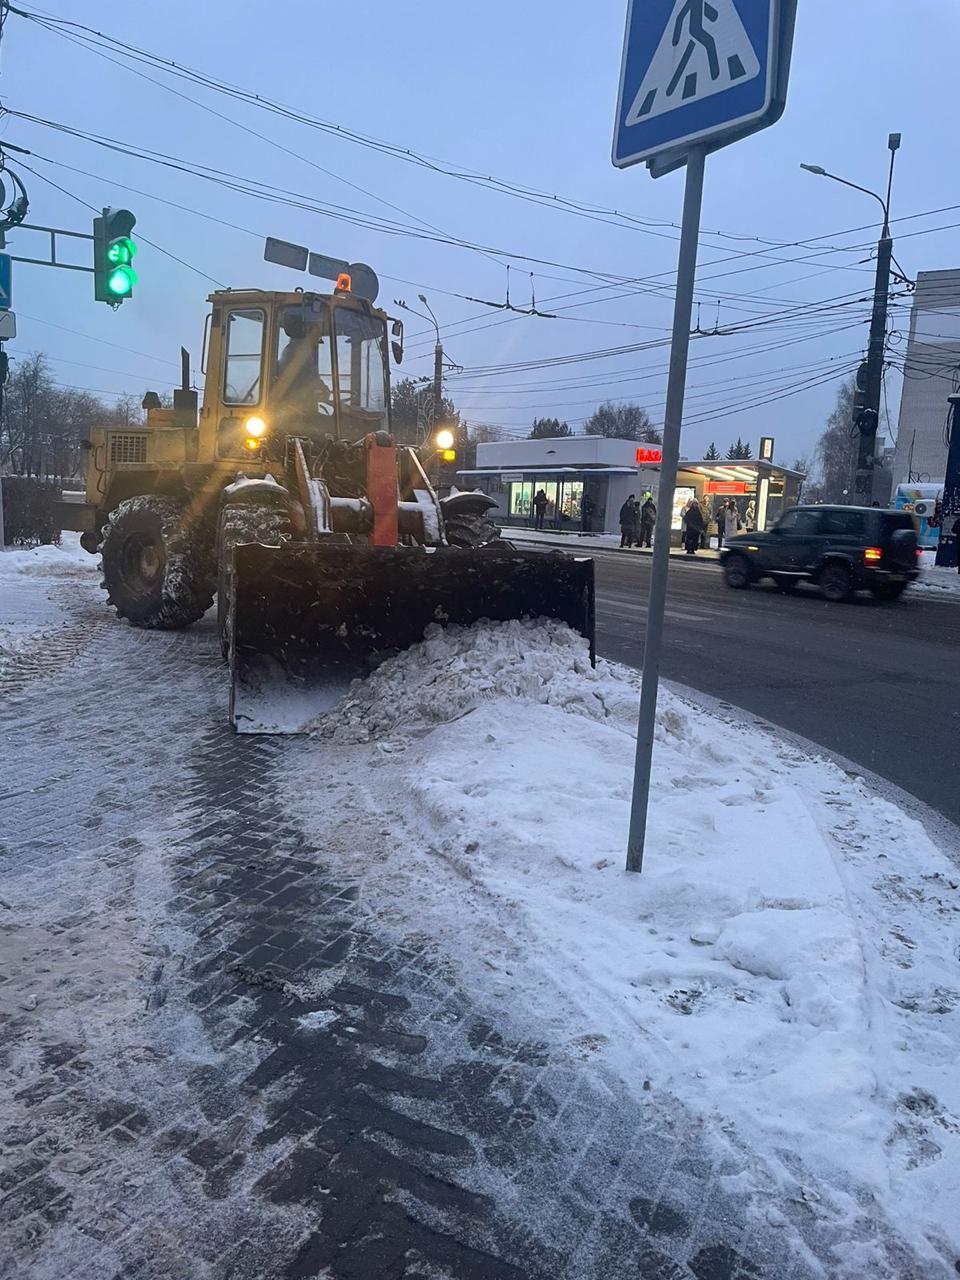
x: 331, y: 369
x: 310, y: 365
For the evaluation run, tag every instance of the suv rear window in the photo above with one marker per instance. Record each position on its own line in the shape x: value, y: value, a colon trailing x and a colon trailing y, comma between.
x: 893, y: 520
x: 846, y: 524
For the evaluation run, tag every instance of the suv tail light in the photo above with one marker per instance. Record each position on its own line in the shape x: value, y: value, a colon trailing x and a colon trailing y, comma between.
x: 873, y: 555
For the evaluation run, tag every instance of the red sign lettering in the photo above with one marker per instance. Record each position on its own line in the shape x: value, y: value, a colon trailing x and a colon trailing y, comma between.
x: 649, y: 455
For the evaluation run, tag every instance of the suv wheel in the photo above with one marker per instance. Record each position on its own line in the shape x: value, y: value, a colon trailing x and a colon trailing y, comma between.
x: 736, y: 572
x: 836, y: 583
x: 888, y: 590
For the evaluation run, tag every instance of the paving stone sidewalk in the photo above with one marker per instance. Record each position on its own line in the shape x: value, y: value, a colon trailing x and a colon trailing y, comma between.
x: 216, y: 1064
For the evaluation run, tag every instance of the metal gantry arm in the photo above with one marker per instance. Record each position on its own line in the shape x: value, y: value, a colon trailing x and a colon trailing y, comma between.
x: 52, y: 261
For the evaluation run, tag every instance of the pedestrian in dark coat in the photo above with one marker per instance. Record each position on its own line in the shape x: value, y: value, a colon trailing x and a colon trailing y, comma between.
x: 648, y: 518
x: 629, y: 522
x: 693, y: 529
x: 539, y: 507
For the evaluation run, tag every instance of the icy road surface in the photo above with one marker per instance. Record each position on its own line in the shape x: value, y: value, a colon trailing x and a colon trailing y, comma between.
x: 383, y: 1003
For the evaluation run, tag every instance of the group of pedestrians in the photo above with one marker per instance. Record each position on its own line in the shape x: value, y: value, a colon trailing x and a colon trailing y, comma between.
x: 637, y: 521
x: 695, y: 523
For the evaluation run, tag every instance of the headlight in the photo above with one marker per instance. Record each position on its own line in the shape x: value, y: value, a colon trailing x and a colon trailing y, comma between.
x: 255, y: 427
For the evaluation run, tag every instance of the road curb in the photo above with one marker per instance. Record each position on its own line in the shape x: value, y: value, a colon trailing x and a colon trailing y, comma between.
x: 569, y: 545
x: 944, y: 833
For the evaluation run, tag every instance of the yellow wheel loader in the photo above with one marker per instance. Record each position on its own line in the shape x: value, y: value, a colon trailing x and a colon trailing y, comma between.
x: 288, y: 499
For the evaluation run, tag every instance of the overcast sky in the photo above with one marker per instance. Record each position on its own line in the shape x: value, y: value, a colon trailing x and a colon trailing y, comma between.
x: 524, y: 92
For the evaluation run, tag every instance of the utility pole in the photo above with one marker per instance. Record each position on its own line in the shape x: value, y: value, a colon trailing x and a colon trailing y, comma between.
x: 866, y: 404
x: 948, y: 552
x: 437, y: 385
x: 435, y: 412
x: 4, y: 367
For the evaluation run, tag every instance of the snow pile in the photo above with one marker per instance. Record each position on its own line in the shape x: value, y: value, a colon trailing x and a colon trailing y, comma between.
x: 935, y: 577
x: 454, y: 670
x: 67, y: 560
x: 786, y: 962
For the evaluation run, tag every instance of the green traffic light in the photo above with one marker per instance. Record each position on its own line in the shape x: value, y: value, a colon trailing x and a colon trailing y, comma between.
x: 120, y: 251
x: 120, y: 281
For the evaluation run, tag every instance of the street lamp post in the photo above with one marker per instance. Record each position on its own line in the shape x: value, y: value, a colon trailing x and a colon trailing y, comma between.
x: 437, y: 357
x: 437, y: 365
x: 870, y: 387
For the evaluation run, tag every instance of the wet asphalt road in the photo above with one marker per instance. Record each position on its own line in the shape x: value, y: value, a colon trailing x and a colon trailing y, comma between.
x: 877, y: 683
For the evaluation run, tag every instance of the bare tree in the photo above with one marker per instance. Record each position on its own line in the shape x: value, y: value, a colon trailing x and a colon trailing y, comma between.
x: 43, y: 424
x: 411, y: 407
x: 471, y: 436
x: 837, y: 446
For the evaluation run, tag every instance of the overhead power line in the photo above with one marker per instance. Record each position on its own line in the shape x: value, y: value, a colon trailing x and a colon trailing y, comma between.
x: 98, y: 41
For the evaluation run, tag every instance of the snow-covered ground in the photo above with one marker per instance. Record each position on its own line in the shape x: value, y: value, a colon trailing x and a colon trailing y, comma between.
x: 785, y: 965
x: 29, y: 581
x: 935, y: 579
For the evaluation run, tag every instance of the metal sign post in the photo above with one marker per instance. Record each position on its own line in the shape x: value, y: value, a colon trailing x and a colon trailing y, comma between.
x: 696, y: 75
x: 673, y: 417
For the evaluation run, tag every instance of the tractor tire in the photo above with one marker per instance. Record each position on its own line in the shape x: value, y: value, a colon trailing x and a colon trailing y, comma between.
x: 836, y: 582
x: 242, y: 523
x: 156, y: 570
x: 469, y: 530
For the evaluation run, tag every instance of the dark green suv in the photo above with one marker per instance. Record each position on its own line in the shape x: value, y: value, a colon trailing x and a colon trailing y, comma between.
x: 841, y: 549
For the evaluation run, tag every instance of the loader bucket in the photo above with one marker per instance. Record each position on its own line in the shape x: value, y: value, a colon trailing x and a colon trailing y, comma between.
x: 309, y: 618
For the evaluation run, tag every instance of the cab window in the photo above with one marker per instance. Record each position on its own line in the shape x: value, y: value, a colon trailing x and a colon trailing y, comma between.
x: 361, y: 367
x: 243, y: 365
x: 304, y: 367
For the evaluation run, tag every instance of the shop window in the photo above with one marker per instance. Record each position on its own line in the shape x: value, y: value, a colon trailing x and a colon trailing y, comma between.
x: 521, y: 499
x: 550, y: 489
x: 571, y: 496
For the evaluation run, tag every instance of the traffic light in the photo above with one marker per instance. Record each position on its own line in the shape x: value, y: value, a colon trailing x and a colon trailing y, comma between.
x: 113, y: 253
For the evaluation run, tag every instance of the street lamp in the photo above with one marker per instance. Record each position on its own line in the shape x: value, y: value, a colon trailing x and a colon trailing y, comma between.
x: 867, y: 401
x: 893, y: 143
x: 423, y: 299
x: 437, y: 354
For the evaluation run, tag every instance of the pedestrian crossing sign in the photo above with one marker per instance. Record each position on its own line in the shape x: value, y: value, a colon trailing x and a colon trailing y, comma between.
x: 699, y: 73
